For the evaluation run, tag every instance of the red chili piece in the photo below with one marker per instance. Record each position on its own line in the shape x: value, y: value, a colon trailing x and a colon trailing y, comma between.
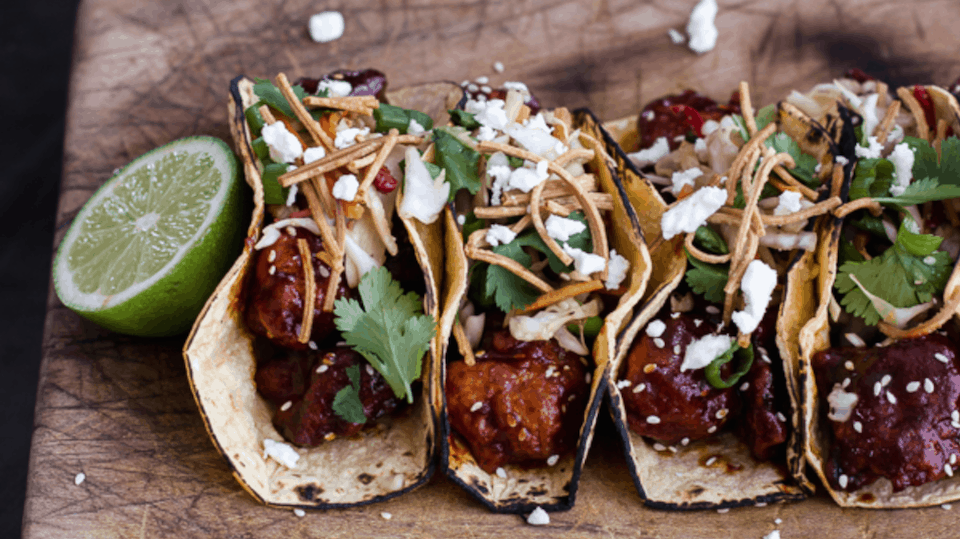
x: 858, y: 75
x: 923, y: 97
x: 659, y: 119
x: 691, y: 116
x: 384, y: 181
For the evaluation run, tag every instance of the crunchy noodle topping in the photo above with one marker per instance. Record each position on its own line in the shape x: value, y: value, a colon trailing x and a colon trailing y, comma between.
x: 309, y: 293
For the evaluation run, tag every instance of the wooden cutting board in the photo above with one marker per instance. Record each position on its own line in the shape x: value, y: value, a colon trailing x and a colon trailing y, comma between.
x: 118, y: 409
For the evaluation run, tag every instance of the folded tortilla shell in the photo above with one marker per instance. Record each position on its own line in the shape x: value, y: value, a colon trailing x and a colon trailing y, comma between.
x: 381, y: 462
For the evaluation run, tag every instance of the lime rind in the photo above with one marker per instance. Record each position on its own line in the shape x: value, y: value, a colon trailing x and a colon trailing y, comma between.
x: 159, y: 290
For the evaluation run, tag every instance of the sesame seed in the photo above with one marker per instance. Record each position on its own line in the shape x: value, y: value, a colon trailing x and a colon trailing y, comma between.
x: 486, y: 89
x: 858, y: 426
x: 623, y: 383
x: 476, y: 406
x: 369, y: 370
x: 885, y: 380
x: 697, y: 322
x: 653, y: 420
x: 761, y: 504
x: 891, y: 398
x: 650, y: 367
x: 272, y: 270
x: 498, y: 67
x: 299, y: 512
x: 659, y: 447
x: 710, y: 461
x: 639, y: 388
x: 292, y: 231
x: 322, y: 368
x: 765, y: 358
x: 744, y: 386
x: 722, y: 413
x: 286, y: 406
x: 843, y: 481
x: 685, y: 441
x: 676, y: 349
x: 587, y: 377
x: 876, y: 389
x: 330, y: 436
x: 80, y: 477
x: 501, y: 473
x: 472, y: 88
x: 912, y: 387
x: 464, y: 83
x: 482, y: 80
x: 672, y: 449
x: 324, y: 272
x: 953, y: 458
x: 928, y: 385
x: 948, y: 470
x: 566, y: 367
x: 659, y: 342
x: 724, y: 510
x: 941, y: 358
x: 848, y: 365
x: 846, y: 382
x: 781, y: 417
x: 553, y: 460
x: 712, y: 309
x: 549, y: 372
x: 272, y: 256
x: 312, y: 345
x: 712, y: 429
x: 778, y: 521
x: 675, y: 315
x: 572, y: 397
x: 385, y: 515
x: 946, y: 506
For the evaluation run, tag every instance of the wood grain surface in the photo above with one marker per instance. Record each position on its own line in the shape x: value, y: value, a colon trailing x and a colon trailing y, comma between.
x: 119, y: 410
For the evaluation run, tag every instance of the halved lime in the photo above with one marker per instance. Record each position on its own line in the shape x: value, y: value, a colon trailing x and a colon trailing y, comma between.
x: 151, y: 244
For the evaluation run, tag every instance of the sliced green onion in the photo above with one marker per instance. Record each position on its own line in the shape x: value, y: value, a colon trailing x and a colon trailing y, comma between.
x: 712, y: 371
x: 260, y: 148
x: 591, y: 327
x: 272, y: 192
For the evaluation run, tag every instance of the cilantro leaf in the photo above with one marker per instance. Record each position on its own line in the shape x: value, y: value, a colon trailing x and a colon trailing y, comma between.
x: 461, y: 162
x: 898, y: 276
x: 346, y: 403
x: 920, y: 191
x: 707, y: 280
x: 765, y: 115
x: 805, y: 164
x: 508, y: 290
x: 924, y: 158
x: 707, y: 239
x: 580, y: 240
x: 949, y: 161
x: 515, y: 162
x: 463, y: 119
x: 872, y: 178
x: 388, y: 330
x: 915, y: 243
x: 392, y: 117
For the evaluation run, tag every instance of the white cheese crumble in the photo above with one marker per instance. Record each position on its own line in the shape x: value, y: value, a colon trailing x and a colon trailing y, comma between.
x: 701, y: 29
x: 489, y: 113
x: 676, y: 36
x: 684, y: 178
x: 841, y: 160
x: 789, y: 203
x: 651, y: 155
x: 501, y: 473
x: 348, y: 137
x: 79, y: 478
x: 423, y: 196
x: 498, y: 171
x: 346, y: 187
x: 280, y: 452
x: 775, y: 534
x: 871, y: 151
x: 584, y: 262
x: 385, y: 515
x: 561, y: 228
x: 841, y: 404
x: 902, y: 158
x: 271, y: 232
x: 499, y: 234
x: 299, y: 512
x: 284, y: 146
x: 538, y: 517
x: 461, y: 219
x: 701, y: 352
x: 525, y: 179
x: 656, y: 328
x: 757, y: 286
x: 415, y: 128
x: 616, y: 270
x: 326, y: 26
x: 335, y: 88
x: 692, y: 212
x: 314, y: 153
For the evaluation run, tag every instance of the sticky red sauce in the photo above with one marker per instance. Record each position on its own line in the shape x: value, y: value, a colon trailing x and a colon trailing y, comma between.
x: 674, y: 116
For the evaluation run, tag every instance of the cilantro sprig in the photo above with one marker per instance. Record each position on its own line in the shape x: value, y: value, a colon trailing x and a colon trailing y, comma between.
x: 346, y: 403
x: 805, y: 169
x: 461, y: 162
x: 388, y: 329
x: 907, y: 274
x: 707, y: 280
x: 934, y: 179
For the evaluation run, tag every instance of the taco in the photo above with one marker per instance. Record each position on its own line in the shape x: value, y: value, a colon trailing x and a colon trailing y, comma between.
x: 314, y: 378
x: 879, y: 360
x: 699, y: 389
x: 552, y: 262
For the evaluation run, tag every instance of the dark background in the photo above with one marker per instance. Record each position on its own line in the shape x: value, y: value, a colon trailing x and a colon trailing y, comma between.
x: 36, y: 41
